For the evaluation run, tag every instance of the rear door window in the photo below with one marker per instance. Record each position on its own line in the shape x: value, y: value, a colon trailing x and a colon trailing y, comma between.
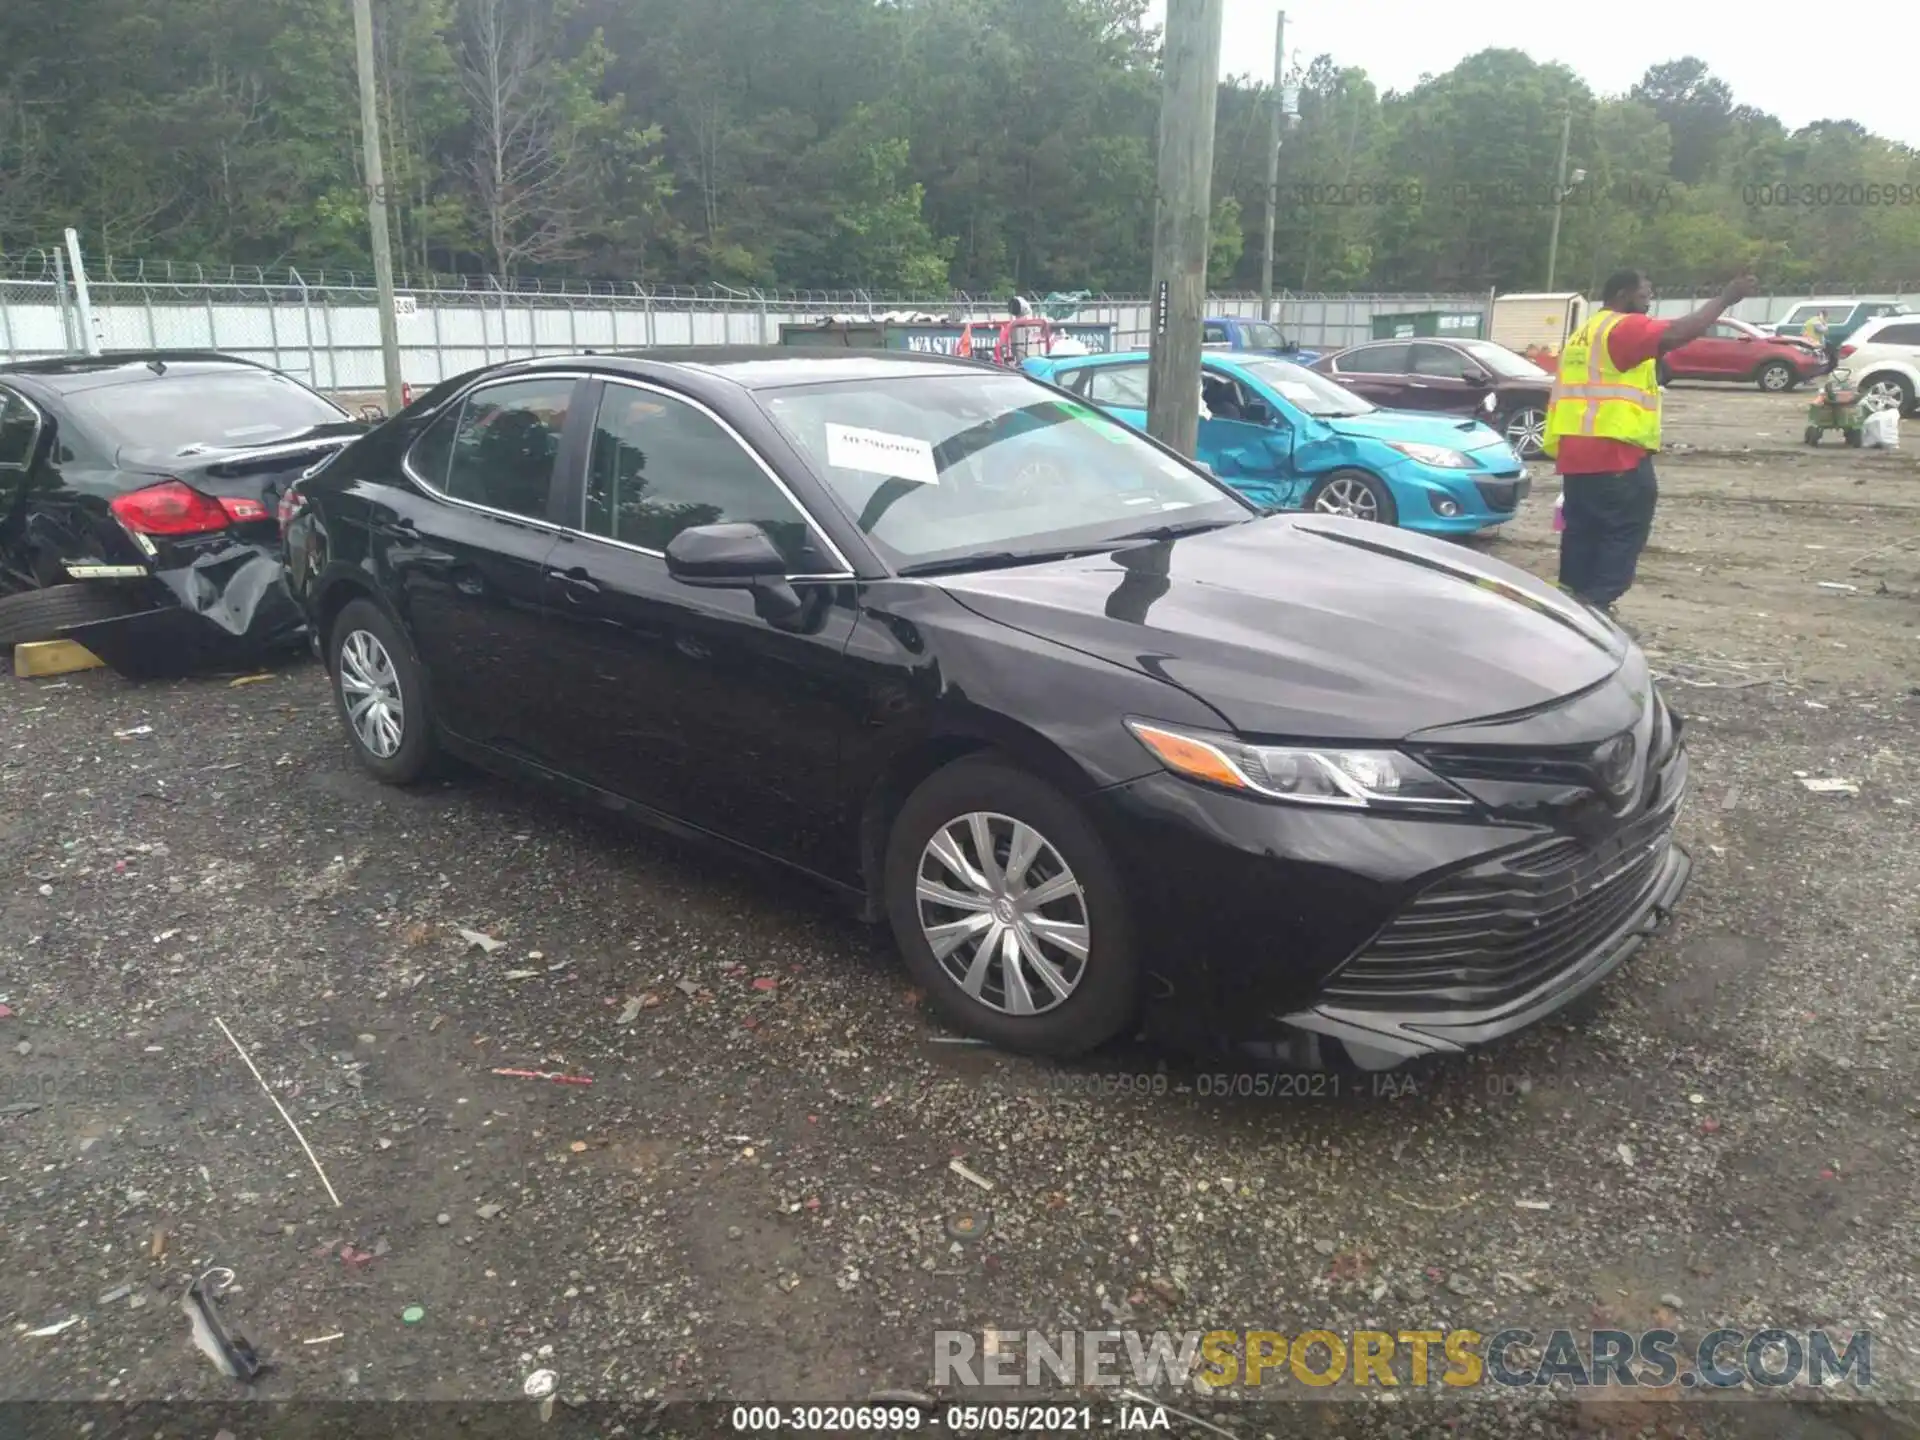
x: 1902, y: 334
x: 1121, y: 385
x: 499, y: 449
x: 1376, y: 360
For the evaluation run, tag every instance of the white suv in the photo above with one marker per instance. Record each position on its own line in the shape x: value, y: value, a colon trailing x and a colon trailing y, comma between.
x: 1883, y: 356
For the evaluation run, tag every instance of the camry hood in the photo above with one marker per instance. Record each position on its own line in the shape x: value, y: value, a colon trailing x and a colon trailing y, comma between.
x: 1455, y: 432
x: 1314, y: 627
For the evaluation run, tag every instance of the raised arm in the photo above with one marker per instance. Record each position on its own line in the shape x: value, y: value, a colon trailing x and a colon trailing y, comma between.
x: 1692, y: 327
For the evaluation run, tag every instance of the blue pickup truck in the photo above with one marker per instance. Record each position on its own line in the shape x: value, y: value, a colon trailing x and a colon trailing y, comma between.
x: 1239, y: 332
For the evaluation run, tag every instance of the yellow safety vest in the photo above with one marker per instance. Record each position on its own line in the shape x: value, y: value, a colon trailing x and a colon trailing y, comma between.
x: 1593, y: 397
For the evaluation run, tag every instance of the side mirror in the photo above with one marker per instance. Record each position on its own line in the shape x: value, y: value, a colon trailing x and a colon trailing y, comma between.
x: 734, y: 557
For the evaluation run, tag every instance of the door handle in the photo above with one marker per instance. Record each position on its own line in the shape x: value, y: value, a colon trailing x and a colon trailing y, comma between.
x: 578, y: 583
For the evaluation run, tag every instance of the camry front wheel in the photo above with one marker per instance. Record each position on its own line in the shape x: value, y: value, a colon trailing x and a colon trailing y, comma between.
x: 1009, y: 911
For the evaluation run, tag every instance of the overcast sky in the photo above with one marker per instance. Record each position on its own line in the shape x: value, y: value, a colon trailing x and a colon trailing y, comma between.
x: 1780, y: 66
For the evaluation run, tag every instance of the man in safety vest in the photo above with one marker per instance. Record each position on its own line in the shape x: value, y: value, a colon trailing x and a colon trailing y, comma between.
x: 1603, y: 429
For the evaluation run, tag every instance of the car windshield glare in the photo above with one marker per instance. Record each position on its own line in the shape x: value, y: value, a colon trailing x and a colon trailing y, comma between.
x: 175, y: 414
x: 1308, y: 390
x: 948, y: 466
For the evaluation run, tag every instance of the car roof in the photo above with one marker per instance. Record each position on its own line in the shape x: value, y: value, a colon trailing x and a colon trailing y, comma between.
x: 1870, y: 328
x: 760, y: 367
x: 68, y: 374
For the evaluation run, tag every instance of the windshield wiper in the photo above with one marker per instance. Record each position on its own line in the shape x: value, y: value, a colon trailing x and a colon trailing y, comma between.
x: 1174, y: 532
x: 992, y: 560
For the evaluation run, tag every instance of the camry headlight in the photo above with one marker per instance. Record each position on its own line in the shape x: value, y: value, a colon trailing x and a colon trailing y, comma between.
x: 1433, y: 455
x: 1316, y: 775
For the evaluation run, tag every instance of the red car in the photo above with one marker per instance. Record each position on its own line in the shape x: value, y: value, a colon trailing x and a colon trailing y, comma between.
x: 1734, y: 350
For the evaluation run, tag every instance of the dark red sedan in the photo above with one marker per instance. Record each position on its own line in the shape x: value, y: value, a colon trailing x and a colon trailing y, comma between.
x: 1734, y: 350
x: 1457, y: 377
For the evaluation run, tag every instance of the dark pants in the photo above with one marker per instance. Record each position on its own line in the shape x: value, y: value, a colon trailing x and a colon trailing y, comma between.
x: 1608, y: 519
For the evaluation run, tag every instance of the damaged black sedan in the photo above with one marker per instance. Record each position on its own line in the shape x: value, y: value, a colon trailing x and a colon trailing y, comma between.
x: 138, y: 505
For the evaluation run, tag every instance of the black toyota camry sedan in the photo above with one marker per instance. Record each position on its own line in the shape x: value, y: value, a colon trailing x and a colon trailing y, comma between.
x: 1101, y: 744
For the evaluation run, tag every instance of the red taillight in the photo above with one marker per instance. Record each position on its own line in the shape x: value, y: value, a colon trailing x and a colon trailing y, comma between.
x: 406, y: 394
x: 173, y: 508
x: 289, y: 507
x: 1846, y: 350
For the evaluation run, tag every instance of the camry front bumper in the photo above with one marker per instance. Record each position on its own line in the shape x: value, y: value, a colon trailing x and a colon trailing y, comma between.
x: 1381, y: 1037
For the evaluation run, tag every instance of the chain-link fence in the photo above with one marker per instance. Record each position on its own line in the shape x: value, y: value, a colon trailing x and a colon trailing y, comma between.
x: 324, y: 328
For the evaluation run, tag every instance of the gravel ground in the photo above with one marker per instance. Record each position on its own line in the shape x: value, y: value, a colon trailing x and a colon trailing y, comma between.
x: 753, y: 1198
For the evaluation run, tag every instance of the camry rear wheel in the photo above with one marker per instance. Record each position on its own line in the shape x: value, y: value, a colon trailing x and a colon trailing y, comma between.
x: 1010, y: 912
x: 381, y: 693
x: 1354, y: 493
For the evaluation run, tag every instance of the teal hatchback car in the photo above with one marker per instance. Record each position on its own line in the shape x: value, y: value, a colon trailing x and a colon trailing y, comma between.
x: 1290, y: 439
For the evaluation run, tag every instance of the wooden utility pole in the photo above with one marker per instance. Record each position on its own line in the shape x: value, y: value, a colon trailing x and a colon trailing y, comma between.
x: 377, y: 201
x: 1277, y: 104
x: 1183, y: 213
x: 1559, y: 198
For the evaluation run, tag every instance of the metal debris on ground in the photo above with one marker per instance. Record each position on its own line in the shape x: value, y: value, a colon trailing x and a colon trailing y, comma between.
x: 1831, y: 786
x: 115, y: 1295
x: 248, y: 1060
x: 1838, y: 585
x: 236, y: 1358
x: 552, y: 1075
x: 136, y: 730
x: 972, y: 1177
x: 54, y: 1329
x: 338, y: 1334
x: 485, y: 942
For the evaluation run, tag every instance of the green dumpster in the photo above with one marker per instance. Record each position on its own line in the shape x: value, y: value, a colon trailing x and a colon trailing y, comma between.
x: 1443, y: 324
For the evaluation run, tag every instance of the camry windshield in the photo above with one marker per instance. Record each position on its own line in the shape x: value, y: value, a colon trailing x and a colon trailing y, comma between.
x: 942, y: 468
x: 215, y: 410
x: 1308, y: 390
x: 1503, y: 362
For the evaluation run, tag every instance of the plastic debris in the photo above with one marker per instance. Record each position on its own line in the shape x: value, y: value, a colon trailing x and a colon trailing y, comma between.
x: 1831, y: 786
x: 6, y: 1012
x: 552, y: 1075
x: 521, y: 974
x: 541, y: 1385
x: 485, y: 942
x: 338, y: 1334
x: 687, y: 987
x: 115, y: 1295
x: 766, y: 982
x: 247, y: 680
x: 231, y: 1352
x: 488, y: 1211
x: 136, y: 730
x: 54, y: 1329
x: 969, y: 1224
x: 972, y: 1177
x: 1625, y: 1152
x: 1534, y: 1204
x: 412, y: 1315
x: 629, y: 1013
x: 1839, y: 585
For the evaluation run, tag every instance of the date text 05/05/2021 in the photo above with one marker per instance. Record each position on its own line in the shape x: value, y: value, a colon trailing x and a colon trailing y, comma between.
x: 954, y: 1419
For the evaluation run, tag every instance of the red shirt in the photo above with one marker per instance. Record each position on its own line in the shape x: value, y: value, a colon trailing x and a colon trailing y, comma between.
x: 1634, y: 340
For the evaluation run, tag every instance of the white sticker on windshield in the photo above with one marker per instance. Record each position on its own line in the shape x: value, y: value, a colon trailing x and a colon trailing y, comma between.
x: 876, y: 451
x: 1295, y: 390
x: 250, y: 430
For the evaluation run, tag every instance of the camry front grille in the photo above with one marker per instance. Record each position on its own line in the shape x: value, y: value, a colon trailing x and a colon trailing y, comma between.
x: 1487, y: 936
